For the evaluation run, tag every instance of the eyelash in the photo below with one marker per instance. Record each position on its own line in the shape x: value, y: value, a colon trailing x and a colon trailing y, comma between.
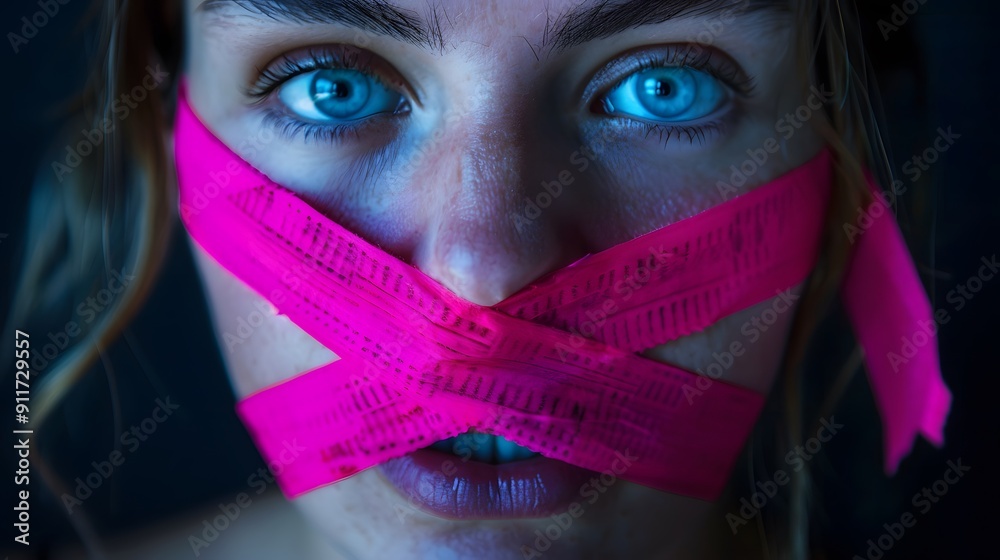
x: 289, y: 66
x: 687, y: 56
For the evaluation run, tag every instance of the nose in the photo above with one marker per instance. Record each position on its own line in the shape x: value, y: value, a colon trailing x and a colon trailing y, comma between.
x: 483, y: 239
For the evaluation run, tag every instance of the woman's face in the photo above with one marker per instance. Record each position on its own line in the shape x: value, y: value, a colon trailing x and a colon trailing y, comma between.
x: 429, y: 128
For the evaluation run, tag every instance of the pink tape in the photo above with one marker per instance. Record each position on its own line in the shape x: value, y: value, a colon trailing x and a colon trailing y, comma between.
x: 886, y: 305
x: 552, y: 368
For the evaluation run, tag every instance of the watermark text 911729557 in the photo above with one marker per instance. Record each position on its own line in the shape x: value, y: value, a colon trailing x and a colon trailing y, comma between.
x: 22, y: 438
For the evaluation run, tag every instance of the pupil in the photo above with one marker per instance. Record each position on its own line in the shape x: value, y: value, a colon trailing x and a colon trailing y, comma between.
x: 340, y: 89
x: 663, y: 89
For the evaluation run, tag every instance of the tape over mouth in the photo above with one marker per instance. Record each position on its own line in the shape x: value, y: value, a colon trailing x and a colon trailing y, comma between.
x: 553, y: 368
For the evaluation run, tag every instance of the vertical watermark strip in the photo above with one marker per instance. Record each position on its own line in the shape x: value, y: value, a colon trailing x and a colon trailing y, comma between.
x: 22, y: 437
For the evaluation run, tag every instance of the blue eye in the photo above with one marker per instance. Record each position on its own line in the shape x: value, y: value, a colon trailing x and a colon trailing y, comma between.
x: 671, y: 94
x: 338, y: 95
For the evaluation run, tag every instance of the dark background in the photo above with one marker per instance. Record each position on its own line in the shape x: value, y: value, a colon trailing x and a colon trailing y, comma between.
x: 938, y: 70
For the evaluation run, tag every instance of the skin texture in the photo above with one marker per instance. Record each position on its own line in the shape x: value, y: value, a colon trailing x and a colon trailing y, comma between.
x: 494, y: 116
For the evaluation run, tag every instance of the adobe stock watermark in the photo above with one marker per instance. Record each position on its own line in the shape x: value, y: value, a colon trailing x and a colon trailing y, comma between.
x: 87, y: 311
x: 714, y: 27
x: 384, y: 356
x: 422, y: 150
x: 229, y: 512
x: 913, y: 168
x: 30, y: 25
x: 245, y: 327
x: 551, y: 190
x: 752, y: 329
x: 590, y: 492
x: 220, y: 178
x: 768, y: 489
x: 580, y: 160
x: 122, y: 107
x: 901, y: 13
x: 131, y: 440
x: 785, y: 127
x: 922, y: 502
x: 625, y: 288
x: 959, y: 297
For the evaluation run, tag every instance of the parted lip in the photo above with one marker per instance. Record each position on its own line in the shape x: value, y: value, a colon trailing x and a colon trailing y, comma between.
x: 448, y: 486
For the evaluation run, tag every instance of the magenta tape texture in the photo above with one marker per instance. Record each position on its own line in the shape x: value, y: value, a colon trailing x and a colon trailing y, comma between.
x: 554, y: 367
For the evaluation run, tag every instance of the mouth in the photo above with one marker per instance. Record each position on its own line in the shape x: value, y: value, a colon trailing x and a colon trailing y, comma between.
x: 483, y: 476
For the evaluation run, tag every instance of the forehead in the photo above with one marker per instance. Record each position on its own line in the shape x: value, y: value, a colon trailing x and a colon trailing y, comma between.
x: 443, y: 24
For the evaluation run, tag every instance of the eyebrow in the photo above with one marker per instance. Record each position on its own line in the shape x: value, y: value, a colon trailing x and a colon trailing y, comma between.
x: 375, y: 16
x: 605, y: 18
x: 581, y: 24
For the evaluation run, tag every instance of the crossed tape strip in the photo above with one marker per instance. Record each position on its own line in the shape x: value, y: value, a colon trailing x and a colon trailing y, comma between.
x: 552, y: 368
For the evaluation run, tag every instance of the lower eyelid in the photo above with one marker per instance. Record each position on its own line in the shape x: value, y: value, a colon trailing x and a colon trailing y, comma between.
x: 699, y: 135
x: 294, y: 128
x: 701, y: 132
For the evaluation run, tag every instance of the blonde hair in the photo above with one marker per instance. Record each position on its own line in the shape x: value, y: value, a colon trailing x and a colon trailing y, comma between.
x: 118, y: 209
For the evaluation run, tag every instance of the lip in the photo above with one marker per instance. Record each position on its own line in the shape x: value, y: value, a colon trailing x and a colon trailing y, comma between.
x: 447, y: 486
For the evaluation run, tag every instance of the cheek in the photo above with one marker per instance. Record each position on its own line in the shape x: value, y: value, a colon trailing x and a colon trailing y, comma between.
x: 260, y: 348
x: 745, y: 348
